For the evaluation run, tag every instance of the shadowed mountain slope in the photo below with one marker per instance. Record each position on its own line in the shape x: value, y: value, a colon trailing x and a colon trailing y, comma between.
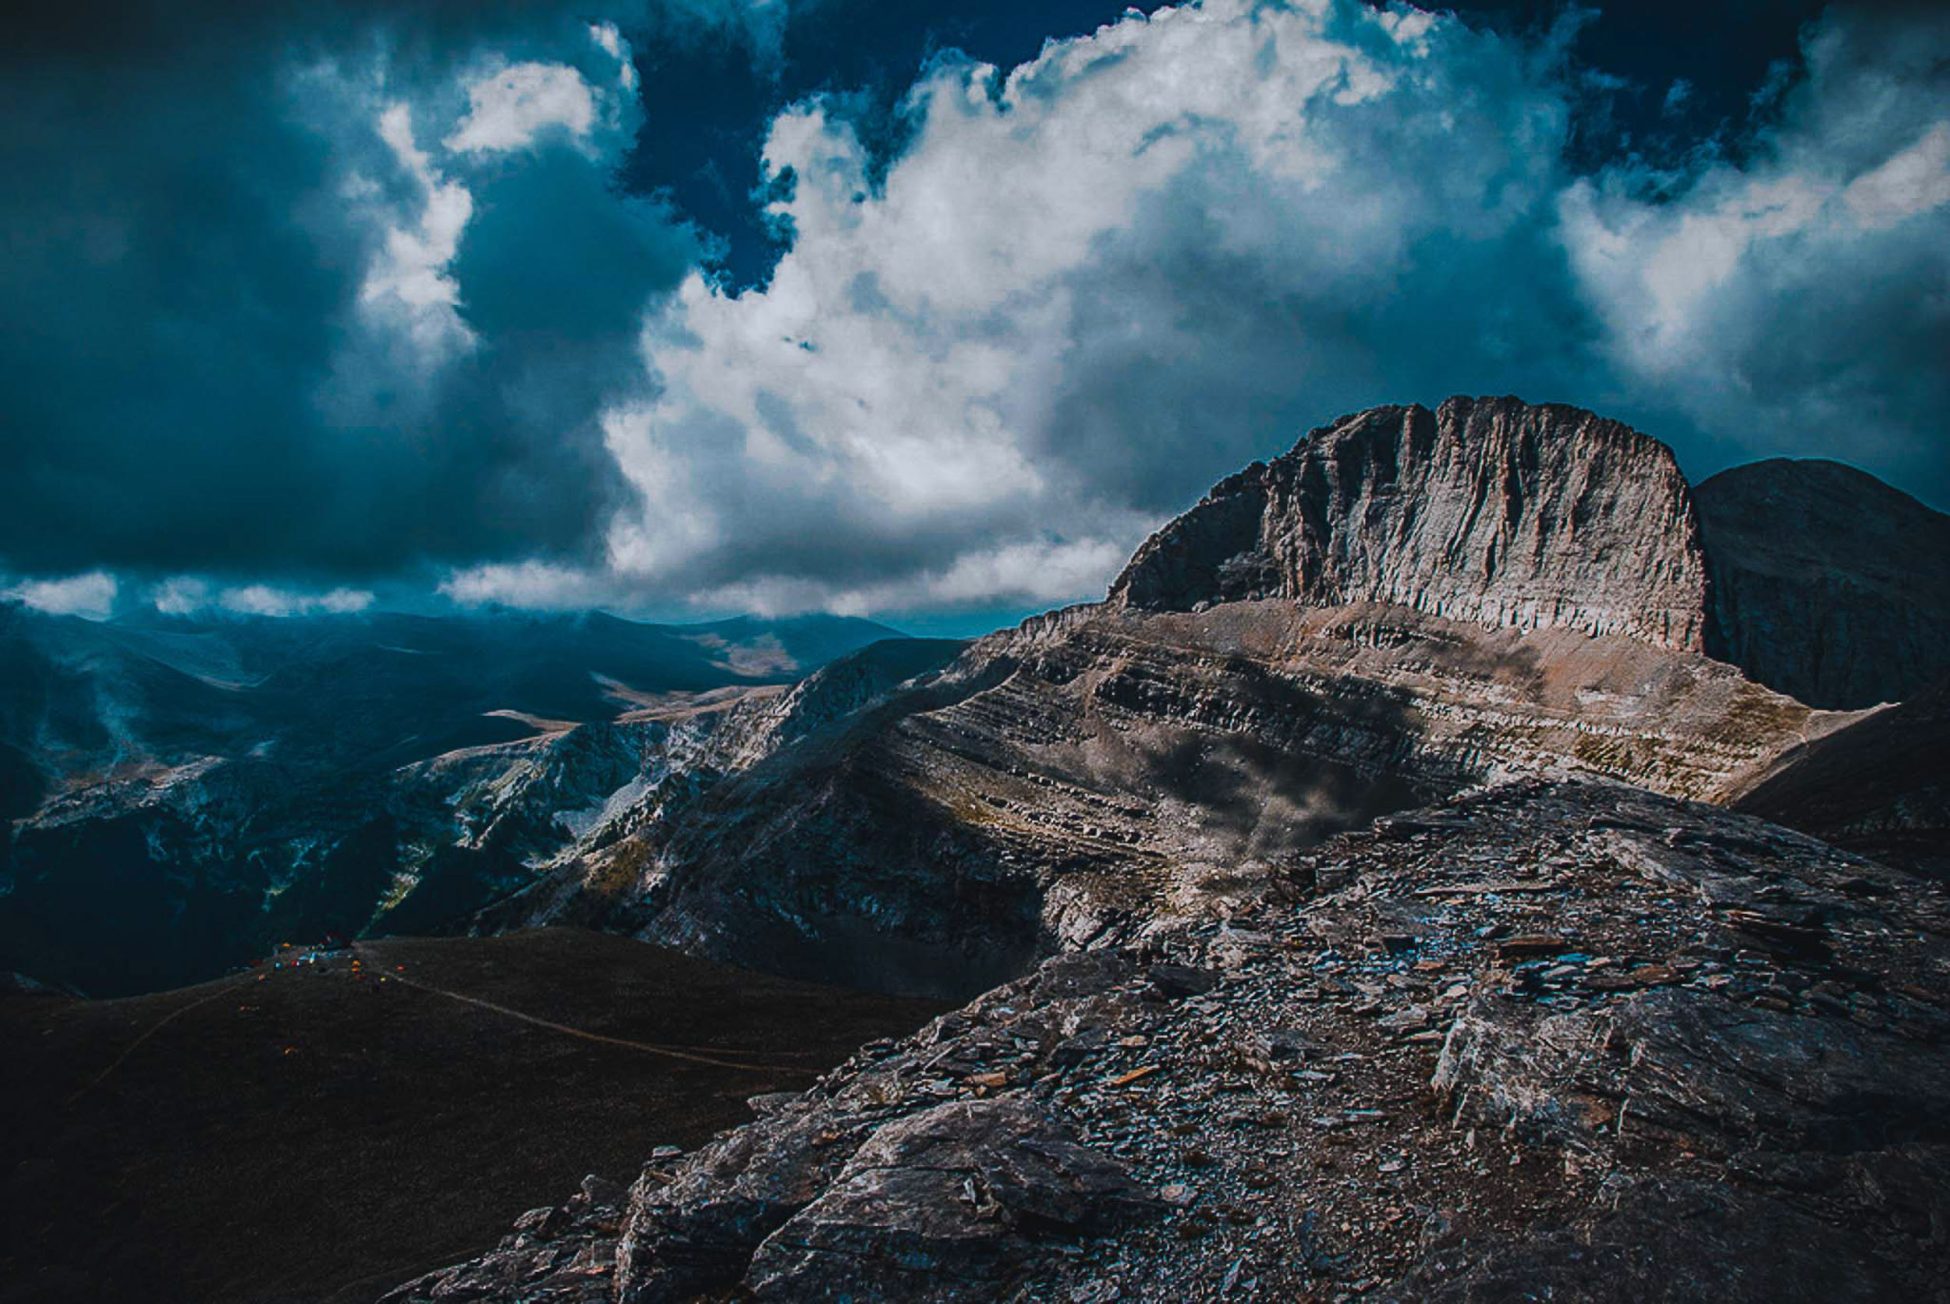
x: 1827, y: 584
x: 1879, y: 787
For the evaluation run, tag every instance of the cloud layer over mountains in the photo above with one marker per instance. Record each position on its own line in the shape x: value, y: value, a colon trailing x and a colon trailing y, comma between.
x: 313, y: 302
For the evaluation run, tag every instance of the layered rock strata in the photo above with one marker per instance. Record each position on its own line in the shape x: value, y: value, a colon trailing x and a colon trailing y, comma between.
x: 1059, y: 784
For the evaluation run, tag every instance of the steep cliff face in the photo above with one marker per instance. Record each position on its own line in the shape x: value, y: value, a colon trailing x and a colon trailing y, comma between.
x: 1484, y: 510
x: 1827, y: 583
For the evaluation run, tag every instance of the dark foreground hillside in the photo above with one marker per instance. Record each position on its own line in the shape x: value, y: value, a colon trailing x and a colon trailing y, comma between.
x: 322, y: 1130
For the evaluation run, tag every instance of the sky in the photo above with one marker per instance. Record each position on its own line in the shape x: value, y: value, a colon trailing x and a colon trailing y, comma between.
x: 931, y: 313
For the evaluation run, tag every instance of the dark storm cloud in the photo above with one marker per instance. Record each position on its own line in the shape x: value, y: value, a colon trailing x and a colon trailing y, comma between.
x: 1792, y: 302
x: 191, y: 380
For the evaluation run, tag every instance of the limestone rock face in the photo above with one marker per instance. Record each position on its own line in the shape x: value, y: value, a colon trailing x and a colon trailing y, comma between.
x: 1827, y: 584
x: 1484, y: 510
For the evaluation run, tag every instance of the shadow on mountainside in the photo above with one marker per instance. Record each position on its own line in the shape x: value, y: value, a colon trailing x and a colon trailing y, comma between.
x: 1879, y: 787
x: 918, y: 846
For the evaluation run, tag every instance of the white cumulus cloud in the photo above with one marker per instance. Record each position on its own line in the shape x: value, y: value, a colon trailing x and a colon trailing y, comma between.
x: 411, y: 277
x: 532, y: 585
x: 1087, y: 288
x: 508, y: 107
x: 186, y: 595
x: 267, y: 600
x: 609, y: 39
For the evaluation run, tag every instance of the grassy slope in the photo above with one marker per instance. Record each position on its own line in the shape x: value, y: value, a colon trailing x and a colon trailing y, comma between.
x: 315, y: 1136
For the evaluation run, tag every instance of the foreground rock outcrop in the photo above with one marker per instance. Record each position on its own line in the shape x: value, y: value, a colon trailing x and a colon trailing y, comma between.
x: 1565, y: 1041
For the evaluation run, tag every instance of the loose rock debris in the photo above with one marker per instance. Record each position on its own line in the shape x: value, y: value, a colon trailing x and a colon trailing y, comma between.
x: 1565, y: 1041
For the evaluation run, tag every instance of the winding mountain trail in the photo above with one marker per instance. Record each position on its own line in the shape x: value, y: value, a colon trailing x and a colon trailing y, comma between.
x: 582, y: 1034
x: 222, y: 989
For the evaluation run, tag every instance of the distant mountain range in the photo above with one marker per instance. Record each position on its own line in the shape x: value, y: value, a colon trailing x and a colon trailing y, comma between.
x: 185, y: 793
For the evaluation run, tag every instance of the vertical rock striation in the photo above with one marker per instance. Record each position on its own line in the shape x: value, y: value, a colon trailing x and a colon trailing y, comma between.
x: 1485, y: 510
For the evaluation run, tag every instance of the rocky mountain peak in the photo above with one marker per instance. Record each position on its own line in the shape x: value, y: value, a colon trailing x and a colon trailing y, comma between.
x: 1489, y: 510
x: 1826, y: 582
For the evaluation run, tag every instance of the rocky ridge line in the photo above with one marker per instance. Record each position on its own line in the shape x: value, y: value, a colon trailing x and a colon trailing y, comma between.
x: 1408, y: 604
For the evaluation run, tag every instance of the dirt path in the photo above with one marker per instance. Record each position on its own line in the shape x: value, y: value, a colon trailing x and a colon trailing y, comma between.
x: 687, y: 1055
x: 223, y: 989
x: 649, y: 1048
